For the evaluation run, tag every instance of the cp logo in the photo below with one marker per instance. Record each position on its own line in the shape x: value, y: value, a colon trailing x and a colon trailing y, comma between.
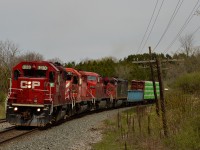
x: 29, y: 84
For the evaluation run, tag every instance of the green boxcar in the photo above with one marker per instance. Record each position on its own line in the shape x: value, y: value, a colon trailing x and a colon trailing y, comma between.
x: 142, y: 91
x: 149, y: 90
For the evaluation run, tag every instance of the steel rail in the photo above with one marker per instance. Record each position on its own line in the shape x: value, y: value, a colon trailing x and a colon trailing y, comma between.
x: 12, y: 133
x: 2, y: 120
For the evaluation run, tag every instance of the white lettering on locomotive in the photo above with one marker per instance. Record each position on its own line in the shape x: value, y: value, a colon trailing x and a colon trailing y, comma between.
x: 29, y: 84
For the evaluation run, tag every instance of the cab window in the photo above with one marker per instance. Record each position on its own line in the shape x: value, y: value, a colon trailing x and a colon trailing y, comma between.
x: 91, y: 78
x: 34, y: 73
x: 16, y: 74
x: 51, y: 76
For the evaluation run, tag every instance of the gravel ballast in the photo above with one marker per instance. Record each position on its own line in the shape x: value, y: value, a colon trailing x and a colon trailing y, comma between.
x: 77, y: 134
x: 4, y: 125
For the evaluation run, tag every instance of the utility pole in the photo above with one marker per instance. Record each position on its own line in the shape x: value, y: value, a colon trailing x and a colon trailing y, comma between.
x: 162, y: 99
x: 154, y: 84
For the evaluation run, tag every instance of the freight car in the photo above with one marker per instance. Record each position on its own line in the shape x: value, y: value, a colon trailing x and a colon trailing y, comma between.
x: 142, y: 91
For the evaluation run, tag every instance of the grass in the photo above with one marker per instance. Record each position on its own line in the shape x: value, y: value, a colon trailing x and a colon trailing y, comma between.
x: 110, y: 134
x: 2, y: 104
x: 128, y: 129
x: 2, y: 111
x: 140, y: 127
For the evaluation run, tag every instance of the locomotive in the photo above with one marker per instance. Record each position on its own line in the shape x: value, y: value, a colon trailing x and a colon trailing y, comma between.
x: 37, y: 94
x: 43, y: 92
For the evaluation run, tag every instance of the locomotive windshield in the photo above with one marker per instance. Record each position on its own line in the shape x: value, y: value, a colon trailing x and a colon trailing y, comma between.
x: 91, y: 78
x: 34, y: 73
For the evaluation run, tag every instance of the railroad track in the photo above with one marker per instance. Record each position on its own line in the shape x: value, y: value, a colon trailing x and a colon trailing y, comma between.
x: 2, y: 120
x: 12, y: 133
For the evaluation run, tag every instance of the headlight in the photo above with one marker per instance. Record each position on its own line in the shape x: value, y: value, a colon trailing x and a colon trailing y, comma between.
x: 15, y: 108
x: 38, y: 110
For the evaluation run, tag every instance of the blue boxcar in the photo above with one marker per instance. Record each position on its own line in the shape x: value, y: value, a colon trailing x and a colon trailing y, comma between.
x: 135, y: 95
x: 142, y: 91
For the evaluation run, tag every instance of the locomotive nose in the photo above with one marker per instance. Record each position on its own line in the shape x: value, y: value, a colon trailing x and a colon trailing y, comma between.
x: 34, y: 90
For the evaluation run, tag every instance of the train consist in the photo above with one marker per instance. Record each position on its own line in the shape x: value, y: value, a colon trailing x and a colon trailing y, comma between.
x: 42, y: 92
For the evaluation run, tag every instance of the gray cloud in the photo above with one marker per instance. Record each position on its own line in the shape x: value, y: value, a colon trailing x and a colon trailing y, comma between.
x: 79, y: 29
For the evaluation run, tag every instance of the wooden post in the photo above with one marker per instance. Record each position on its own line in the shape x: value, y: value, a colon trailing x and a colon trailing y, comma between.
x: 118, y: 119
x: 162, y: 100
x: 154, y: 85
x: 149, y: 124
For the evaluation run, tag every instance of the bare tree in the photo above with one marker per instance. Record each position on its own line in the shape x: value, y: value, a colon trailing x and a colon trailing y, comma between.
x: 56, y: 59
x: 31, y: 56
x: 8, y: 53
x: 187, y: 44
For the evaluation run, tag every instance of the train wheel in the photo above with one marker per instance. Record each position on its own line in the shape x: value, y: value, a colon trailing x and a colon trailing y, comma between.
x: 89, y: 106
x: 114, y: 104
x: 108, y: 103
x: 97, y: 105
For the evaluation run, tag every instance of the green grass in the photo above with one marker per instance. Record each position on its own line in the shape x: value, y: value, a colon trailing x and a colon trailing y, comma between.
x: 140, y: 127
x: 184, y: 121
x: 2, y: 104
x: 110, y: 140
x: 124, y: 131
x: 2, y: 110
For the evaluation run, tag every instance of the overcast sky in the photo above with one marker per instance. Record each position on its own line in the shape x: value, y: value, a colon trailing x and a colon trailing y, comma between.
x: 75, y: 30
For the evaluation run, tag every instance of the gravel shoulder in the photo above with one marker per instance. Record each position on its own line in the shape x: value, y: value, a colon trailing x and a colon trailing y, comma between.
x: 4, y: 125
x: 77, y: 134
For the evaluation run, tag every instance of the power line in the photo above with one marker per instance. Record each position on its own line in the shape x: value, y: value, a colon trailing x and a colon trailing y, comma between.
x: 179, y: 4
x: 195, y: 31
x: 183, y: 27
x: 154, y: 23
x: 192, y: 35
x: 148, y: 26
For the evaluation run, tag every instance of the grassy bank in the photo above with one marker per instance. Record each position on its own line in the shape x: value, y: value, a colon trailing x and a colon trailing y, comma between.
x: 2, y: 110
x: 141, y: 128
x: 2, y: 104
x: 131, y: 130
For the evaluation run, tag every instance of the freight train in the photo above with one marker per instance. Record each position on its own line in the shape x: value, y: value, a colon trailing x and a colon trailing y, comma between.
x: 42, y: 93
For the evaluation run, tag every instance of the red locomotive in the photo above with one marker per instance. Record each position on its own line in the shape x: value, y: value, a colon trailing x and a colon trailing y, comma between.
x: 43, y: 92
x: 37, y: 94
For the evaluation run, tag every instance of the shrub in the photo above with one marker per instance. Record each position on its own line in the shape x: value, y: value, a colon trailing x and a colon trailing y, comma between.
x: 188, y: 83
x: 2, y: 97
